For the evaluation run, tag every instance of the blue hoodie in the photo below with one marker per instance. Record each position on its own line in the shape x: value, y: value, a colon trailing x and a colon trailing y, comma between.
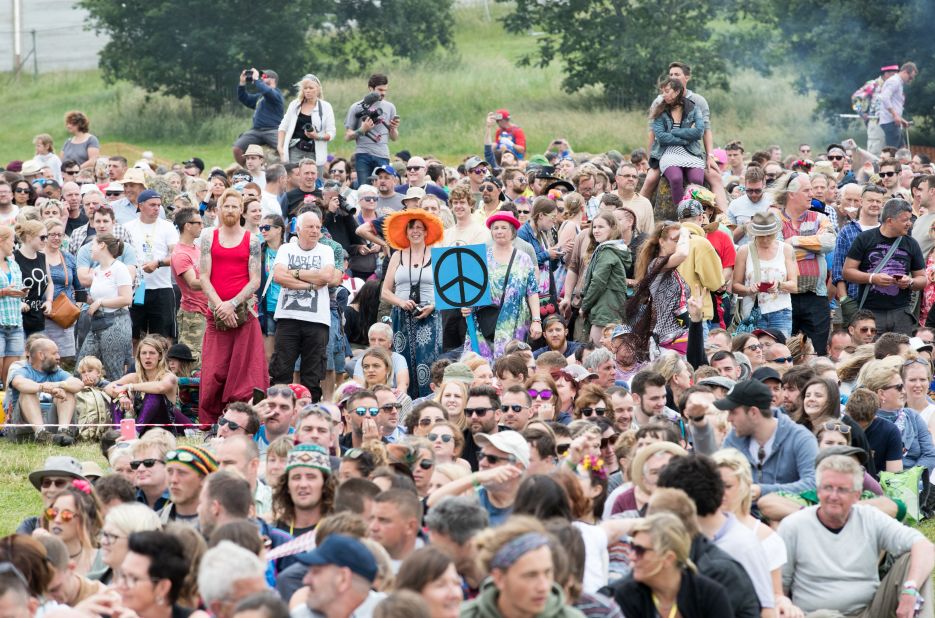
x: 791, y: 462
x: 918, y: 449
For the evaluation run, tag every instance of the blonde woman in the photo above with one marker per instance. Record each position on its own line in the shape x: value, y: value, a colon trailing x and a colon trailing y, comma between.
x: 453, y: 397
x: 148, y: 394
x: 12, y: 338
x: 738, y: 482
x: 64, y: 276
x: 36, y: 280
x: 307, y: 126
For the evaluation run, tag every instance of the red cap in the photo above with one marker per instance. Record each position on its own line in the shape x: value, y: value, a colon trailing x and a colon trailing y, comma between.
x: 300, y: 391
x: 504, y: 113
x: 891, y: 67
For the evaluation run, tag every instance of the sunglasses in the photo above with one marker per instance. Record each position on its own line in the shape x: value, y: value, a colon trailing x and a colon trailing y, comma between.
x: 70, y: 172
x: 113, y: 193
x: 20, y: 190
x: 868, y: 329
x: 266, y: 227
x: 783, y: 360
x: 593, y: 411
x: 561, y: 449
x: 605, y: 442
x: 426, y: 464
x: 354, y: 453
x: 495, y: 459
x: 183, y: 456
x: 522, y: 212
x: 391, y: 406
x: 59, y: 483
x: 838, y: 427
x: 445, y: 437
x: 368, y: 198
x: 636, y: 551
x: 146, y: 463
x: 414, y: 168
x: 545, y: 393
x: 225, y: 421
x: 52, y: 513
x: 753, y: 191
x: 361, y: 411
x: 279, y: 391
x: 488, y: 188
x: 516, y: 408
x: 479, y: 170
x: 887, y: 174
x: 478, y: 412
x: 754, y: 347
x: 835, y: 157
x: 897, y: 387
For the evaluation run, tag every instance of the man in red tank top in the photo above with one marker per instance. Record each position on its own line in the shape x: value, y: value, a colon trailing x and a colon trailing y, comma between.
x: 233, y: 361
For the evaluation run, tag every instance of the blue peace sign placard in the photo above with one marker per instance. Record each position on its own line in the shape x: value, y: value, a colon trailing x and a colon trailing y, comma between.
x: 461, y: 278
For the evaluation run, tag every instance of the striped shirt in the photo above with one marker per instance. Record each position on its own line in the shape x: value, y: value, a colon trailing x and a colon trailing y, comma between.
x: 11, y: 313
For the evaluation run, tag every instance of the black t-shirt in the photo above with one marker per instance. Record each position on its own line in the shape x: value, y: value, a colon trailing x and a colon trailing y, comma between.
x: 35, y: 282
x: 295, y: 199
x: 300, y: 122
x: 869, y: 248
x: 73, y: 224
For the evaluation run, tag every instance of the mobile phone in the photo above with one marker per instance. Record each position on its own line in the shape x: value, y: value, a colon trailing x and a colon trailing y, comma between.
x: 258, y: 395
x: 897, y: 277
x: 128, y: 429
x: 764, y: 286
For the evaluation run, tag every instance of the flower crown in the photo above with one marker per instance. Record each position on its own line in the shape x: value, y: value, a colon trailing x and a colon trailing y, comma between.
x: 595, y: 466
x: 82, y: 486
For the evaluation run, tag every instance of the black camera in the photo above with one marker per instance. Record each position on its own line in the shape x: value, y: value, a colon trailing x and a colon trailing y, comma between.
x: 343, y: 205
x: 370, y: 108
x: 248, y: 75
x: 307, y: 127
x: 415, y: 296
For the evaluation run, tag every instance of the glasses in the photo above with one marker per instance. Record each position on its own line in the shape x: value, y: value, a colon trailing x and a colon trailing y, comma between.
x: 515, y: 407
x: 868, y: 329
x: 753, y: 191
x: 279, y: 391
x: 783, y: 360
x: 835, y: 157
x: 426, y: 464
x: 636, y: 551
x: 265, y: 227
x: 52, y: 513
x: 354, y: 453
x: 488, y: 188
x: 146, y: 463
x: 478, y: 412
x: 55, y: 234
x: 754, y: 347
x: 107, y: 538
x: 113, y: 193
x: 427, y: 422
x: 445, y: 437
x: 70, y: 172
x: 593, y: 411
x: 838, y: 427
x: 226, y: 421
x: 495, y: 459
x: 368, y: 198
x: 605, y: 442
x: 414, y: 168
x: 59, y: 483
x: 544, y: 394
x: 760, y: 459
x: 391, y: 406
x: 21, y: 190
x: 522, y: 346
x: 361, y: 411
x: 897, y: 387
x: 887, y: 174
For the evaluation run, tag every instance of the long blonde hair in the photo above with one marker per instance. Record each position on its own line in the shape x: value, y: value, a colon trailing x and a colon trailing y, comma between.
x: 299, y: 96
x: 162, y: 368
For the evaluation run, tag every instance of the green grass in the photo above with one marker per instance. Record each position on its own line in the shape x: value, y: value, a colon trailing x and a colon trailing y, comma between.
x: 442, y: 104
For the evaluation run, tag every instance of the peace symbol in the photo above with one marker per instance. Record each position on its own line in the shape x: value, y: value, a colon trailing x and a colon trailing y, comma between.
x: 461, y: 290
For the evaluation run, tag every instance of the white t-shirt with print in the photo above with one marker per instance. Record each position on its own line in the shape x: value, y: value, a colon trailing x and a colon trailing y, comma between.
x: 153, y: 241
x: 307, y: 305
x: 106, y: 281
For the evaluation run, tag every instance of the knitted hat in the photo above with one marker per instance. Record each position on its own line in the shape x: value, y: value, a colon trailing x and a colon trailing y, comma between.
x: 308, y: 456
x: 194, y: 457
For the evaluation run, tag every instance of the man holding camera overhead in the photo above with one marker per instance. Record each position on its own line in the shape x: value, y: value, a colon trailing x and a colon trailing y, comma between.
x: 372, y: 122
x: 267, y: 103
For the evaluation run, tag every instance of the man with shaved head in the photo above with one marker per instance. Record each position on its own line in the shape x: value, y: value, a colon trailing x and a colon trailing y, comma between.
x: 71, y: 195
x: 416, y: 176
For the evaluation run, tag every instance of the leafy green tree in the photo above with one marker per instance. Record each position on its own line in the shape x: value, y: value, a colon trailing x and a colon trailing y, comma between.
x: 622, y: 46
x: 837, y: 46
x: 198, y: 48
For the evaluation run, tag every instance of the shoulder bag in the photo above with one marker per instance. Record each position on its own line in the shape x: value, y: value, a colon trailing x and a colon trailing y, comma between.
x: 64, y: 312
x: 487, y: 317
x: 748, y: 324
x: 880, y: 266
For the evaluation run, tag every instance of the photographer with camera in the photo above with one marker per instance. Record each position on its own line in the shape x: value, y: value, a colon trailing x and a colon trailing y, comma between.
x: 307, y: 126
x: 267, y: 103
x: 339, y: 216
x: 372, y: 122
x: 409, y: 286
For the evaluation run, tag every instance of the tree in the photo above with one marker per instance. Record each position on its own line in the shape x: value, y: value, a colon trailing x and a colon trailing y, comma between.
x: 622, y: 46
x: 840, y: 45
x: 351, y: 36
x: 197, y: 49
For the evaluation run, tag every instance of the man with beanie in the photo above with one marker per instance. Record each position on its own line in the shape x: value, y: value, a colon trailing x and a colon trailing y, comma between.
x: 186, y: 467
x: 305, y: 492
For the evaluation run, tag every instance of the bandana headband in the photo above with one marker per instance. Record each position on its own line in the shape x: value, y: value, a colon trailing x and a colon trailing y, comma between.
x: 516, y: 549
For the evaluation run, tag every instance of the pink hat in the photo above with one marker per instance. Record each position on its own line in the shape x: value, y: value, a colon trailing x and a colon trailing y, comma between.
x: 300, y: 391
x: 720, y: 154
x: 889, y: 67
x: 503, y: 216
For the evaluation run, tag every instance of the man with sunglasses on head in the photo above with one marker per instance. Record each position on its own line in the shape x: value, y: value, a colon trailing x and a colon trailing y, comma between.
x: 56, y: 473
x: 148, y: 466
x: 186, y: 469
x: 279, y: 416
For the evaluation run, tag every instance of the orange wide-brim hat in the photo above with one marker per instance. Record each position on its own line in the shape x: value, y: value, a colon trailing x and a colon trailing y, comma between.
x: 395, y: 224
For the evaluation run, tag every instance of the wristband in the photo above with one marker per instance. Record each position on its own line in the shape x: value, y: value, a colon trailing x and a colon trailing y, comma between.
x: 910, y: 591
x: 474, y: 482
x: 870, y: 280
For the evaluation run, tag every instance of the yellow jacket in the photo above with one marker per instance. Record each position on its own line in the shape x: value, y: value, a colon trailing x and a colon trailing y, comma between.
x: 702, y: 266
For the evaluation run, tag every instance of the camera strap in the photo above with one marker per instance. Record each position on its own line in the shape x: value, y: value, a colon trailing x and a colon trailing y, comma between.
x: 419, y: 283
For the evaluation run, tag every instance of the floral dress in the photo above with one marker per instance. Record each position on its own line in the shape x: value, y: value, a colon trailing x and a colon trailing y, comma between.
x: 928, y: 296
x: 514, y: 319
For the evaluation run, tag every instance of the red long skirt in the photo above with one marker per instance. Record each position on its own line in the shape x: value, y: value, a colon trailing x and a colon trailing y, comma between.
x: 233, y: 363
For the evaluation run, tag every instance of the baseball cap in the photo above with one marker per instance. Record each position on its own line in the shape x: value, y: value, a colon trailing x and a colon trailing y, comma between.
x: 504, y: 114
x: 690, y: 208
x: 414, y: 193
x: 917, y: 345
x: 458, y: 372
x: 343, y: 551
x: 386, y: 169
x: 511, y: 442
x: 578, y: 373
x: 195, y: 162
x: 773, y: 333
x: 889, y: 67
x: 766, y: 373
x: 148, y: 194
x: 474, y: 162
x: 747, y: 393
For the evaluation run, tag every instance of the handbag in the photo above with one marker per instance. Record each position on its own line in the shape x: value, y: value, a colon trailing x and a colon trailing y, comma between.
x: 880, y: 266
x: 102, y: 320
x: 487, y: 317
x: 748, y: 324
x: 64, y: 312
x: 240, y: 313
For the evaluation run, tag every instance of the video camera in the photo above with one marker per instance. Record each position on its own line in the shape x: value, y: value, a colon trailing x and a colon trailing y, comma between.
x: 370, y: 108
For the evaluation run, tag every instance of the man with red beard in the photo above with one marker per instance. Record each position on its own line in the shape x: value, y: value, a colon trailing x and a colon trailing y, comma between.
x: 233, y: 361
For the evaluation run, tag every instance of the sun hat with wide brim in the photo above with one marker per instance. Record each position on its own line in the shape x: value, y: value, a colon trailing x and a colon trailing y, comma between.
x: 57, y: 465
x: 395, y: 225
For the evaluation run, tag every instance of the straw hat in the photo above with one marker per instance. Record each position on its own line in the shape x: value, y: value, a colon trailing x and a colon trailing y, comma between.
x: 394, y: 227
x: 764, y: 224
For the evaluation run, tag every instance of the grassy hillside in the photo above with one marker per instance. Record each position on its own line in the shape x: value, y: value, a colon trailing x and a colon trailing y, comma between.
x: 442, y: 105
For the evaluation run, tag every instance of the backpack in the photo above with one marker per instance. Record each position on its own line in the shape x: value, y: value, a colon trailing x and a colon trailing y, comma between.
x: 92, y: 407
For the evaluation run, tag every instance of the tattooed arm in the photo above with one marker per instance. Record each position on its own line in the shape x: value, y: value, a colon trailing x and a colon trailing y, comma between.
x: 253, y: 266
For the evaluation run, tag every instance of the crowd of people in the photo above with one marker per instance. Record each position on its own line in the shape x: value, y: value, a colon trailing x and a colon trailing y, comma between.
x: 703, y: 386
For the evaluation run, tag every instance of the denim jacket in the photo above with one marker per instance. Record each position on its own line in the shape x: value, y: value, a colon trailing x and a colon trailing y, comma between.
x: 688, y: 135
